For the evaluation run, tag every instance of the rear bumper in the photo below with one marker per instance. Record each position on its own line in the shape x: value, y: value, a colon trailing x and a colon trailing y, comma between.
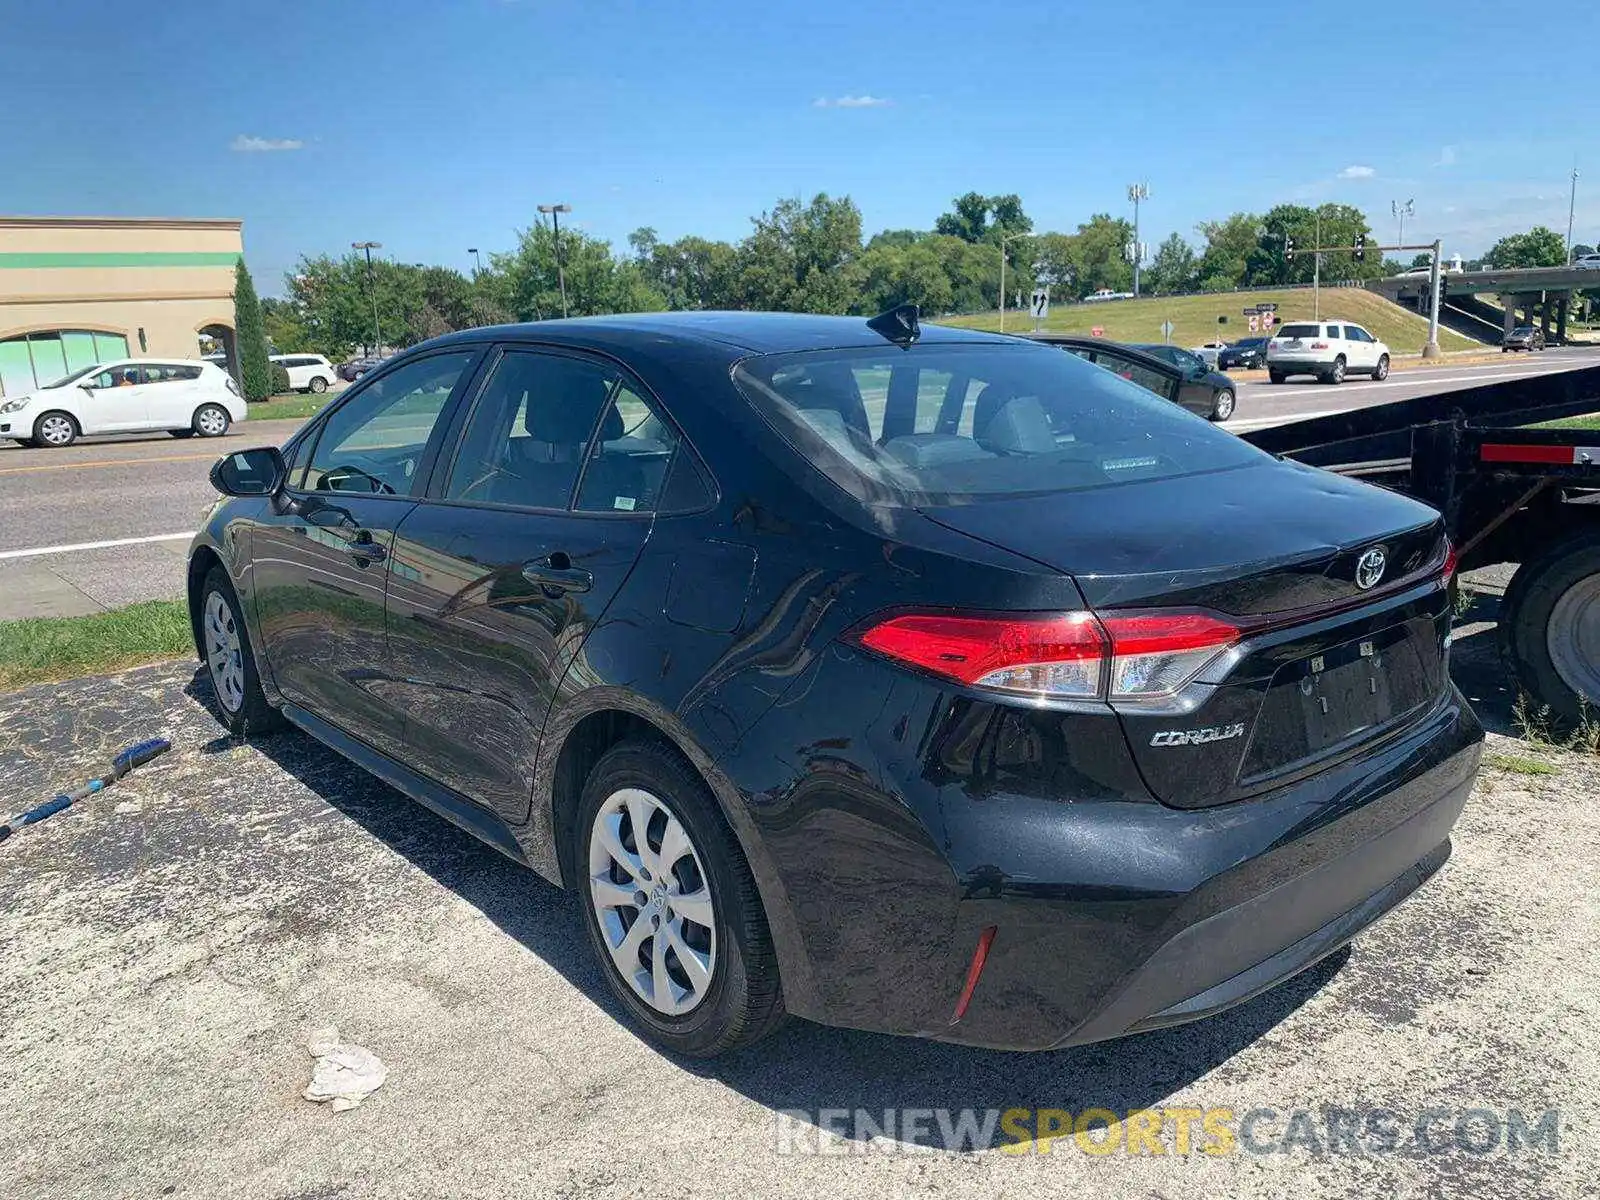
x: 1214, y: 906
x: 1299, y: 366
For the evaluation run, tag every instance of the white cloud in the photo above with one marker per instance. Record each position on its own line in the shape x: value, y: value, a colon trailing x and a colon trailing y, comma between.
x: 260, y: 145
x: 1357, y: 172
x: 1447, y: 157
x: 862, y: 101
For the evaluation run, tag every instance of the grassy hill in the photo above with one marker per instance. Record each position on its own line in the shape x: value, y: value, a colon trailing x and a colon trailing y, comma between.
x: 1195, y: 317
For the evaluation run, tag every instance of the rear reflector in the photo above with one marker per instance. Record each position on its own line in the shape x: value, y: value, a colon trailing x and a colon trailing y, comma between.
x: 979, y: 956
x: 1121, y: 656
x: 1452, y: 560
x: 1566, y: 456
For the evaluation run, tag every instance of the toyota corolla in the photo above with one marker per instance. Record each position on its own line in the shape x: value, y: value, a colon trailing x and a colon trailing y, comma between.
x: 908, y: 679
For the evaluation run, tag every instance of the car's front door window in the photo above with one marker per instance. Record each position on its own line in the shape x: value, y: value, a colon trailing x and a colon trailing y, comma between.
x: 373, y: 444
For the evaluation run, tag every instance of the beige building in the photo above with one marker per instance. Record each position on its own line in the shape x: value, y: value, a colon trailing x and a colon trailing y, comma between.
x: 79, y: 290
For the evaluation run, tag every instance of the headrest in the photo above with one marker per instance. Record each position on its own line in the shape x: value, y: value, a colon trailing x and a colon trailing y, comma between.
x: 1020, y: 426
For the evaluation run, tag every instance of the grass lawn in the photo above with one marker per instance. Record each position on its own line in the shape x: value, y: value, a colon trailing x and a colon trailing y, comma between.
x: 1195, y: 318
x: 288, y: 405
x: 41, y: 649
x: 1592, y: 421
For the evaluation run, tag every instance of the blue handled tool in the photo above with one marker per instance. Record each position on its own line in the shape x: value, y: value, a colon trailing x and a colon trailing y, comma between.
x: 133, y: 756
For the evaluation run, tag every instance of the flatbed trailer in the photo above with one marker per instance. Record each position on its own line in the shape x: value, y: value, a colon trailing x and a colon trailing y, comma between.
x: 1509, y: 493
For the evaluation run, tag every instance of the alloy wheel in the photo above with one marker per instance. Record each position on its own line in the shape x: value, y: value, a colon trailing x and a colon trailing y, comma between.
x: 224, y: 652
x: 652, y: 901
x: 56, y: 430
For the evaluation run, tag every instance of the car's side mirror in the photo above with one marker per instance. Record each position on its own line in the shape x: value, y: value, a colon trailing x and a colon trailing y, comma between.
x: 258, y: 472
x: 88, y: 387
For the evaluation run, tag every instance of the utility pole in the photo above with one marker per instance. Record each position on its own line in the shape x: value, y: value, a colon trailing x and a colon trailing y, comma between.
x: 1004, y: 238
x: 1572, y: 203
x: 372, y: 290
x: 1136, y: 193
x: 555, y: 211
x: 1431, y: 350
x: 1316, y: 272
x: 477, y: 268
x: 1401, y: 212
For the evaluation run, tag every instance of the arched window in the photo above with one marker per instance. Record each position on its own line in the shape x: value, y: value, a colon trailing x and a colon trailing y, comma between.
x: 32, y: 360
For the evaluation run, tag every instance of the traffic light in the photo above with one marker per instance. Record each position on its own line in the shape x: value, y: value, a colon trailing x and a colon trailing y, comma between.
x: 1360, y: 247
x: 1288, y: 248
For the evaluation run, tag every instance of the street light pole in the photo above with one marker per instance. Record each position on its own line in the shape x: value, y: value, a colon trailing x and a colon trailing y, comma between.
x: 1004, y: 238
x: 1401, y: 212
x: 1136, y: 193
x: 477, y: 268
x: 555, y: 211
x: 369, y: 247
x: 1572, y: 203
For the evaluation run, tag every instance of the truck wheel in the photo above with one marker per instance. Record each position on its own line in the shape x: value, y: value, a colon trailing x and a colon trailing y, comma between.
x: 1550, y: 627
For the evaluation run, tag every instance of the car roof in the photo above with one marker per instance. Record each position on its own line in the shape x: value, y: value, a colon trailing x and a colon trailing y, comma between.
x: 750, y: 332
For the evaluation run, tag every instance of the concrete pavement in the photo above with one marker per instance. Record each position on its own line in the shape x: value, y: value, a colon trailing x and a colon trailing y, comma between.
x: 144, y: 493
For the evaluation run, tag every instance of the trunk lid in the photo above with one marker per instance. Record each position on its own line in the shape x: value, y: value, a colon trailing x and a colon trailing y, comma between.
x: 1325, y: 665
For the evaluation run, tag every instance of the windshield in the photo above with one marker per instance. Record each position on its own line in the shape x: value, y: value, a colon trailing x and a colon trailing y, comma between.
x: 76, y: 375
x: 942, y: 424
x: 1522, y: 331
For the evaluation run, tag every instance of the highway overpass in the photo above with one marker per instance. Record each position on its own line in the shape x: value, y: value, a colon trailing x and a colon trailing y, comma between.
x: 1541, y: 294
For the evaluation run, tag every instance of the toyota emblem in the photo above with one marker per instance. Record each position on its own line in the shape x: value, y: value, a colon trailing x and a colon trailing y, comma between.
x: 1369, y: 568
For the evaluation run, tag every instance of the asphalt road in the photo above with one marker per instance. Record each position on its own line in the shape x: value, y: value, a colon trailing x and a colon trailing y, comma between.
x: 170, y: 945
x: 147, y: 492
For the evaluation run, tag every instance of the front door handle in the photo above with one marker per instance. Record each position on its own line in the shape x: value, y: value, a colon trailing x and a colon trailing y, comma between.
x: 362, y: 546
x: 555, y: 573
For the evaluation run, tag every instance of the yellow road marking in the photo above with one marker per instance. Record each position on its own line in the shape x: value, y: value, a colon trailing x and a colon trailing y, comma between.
x: 108, y: 462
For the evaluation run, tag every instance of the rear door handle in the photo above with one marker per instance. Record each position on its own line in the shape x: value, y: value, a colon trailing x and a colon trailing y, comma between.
x: 555, y: 573
x: 362, y: 546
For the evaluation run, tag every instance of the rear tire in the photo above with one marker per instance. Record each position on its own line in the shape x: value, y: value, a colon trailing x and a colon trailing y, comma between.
x: 1550, y: 627
x: 182, y: 433
x: 1224, y: 404
x: 737, y: 999
x: 1335, y: 374
x: 319, y: 384
x: 211, y: 420
x: 231, y: 662
x: 1275, y: 376
x: 55, y: 430
x: 1381, y: 371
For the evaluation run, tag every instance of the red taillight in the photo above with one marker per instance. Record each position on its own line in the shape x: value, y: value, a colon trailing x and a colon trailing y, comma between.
x: 1452, y: 560
x: 1319, y: 345
x: 1120, y: 656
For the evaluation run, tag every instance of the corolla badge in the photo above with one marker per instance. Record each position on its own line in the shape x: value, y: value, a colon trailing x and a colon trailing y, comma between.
x: 1370, y: 567
x: 1197, y: 737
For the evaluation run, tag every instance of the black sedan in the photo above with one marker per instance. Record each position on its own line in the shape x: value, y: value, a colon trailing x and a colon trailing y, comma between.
x: 1523, y: 337
x: 1247, y: 354
x: 1204, y: 391
x: 916, y: 680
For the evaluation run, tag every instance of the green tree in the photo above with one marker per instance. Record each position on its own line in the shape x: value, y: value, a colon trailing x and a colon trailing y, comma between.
x: 1174, y: 267
x: 529, y: 285
x: 802, y: 257
x: 284, y: 328
x: 255, y: 374
x: 1580, y: 249
x: 1102, y: 246
x: 1226, y: 257
x: 1539, y: 247
x: 967, y: 220
x: 692, y: 272
x: 914, y: 274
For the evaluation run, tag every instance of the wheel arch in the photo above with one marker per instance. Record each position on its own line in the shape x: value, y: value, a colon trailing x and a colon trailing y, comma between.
x: 577, y: 738
x: 200, y: 564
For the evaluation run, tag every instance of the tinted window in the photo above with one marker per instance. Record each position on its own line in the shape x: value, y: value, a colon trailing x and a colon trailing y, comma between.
x: 169, y: 372
x: 628, y: 464
x: 529, y: 431
x: 373, y: 442
x: 127, y: 376
x: 1300, y: 331
x: 1031, y: 419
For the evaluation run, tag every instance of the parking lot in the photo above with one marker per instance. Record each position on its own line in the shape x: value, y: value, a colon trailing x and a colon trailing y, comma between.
x: 170, y: 945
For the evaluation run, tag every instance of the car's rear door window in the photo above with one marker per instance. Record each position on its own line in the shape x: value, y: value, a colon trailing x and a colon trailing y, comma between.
x: 1008, y: 420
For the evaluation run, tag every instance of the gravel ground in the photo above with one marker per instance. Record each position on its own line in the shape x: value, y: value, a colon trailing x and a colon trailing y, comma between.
x: 169, y: 946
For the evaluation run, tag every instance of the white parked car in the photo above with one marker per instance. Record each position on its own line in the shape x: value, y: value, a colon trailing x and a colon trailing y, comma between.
x: 1208, y: 353
x: 1330, y: 350
x: 307, y: 372
x: 126, y: 396
x: 1587, y: 262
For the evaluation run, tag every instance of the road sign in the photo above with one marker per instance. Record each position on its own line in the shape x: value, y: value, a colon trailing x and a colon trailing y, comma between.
x: 1266, y: 308
x: 1252, y: 311
x: 1097, y: 331
x: 1166, y: 329
x: 1255, y: 322
x: 1041, y: 303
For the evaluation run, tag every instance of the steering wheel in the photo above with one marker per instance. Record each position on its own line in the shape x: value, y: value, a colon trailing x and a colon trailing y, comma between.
x: 349, y: 470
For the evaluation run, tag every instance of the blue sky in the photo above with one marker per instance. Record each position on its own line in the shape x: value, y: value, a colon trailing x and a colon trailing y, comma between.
x: 432, y: 127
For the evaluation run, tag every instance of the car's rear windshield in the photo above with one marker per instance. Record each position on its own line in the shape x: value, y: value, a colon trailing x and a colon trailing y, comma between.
x: 947, y: 424
x: 1300, y: 331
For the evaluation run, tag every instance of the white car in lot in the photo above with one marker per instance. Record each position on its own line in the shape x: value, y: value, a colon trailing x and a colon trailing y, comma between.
x: 1208, y: 353
x: 127, y: 396
x: 1330, y: 350
x: 307, y: 372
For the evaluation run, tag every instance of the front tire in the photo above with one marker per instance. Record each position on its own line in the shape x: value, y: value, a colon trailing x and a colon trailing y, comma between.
x: 319, y: 384
x: 211, y: 420
x: 1222, y: 407
x: 670, y: 904
x: 1275, y: 376
x: 230, y: 661
x: 55, y: 429
x: 1381, y: 372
